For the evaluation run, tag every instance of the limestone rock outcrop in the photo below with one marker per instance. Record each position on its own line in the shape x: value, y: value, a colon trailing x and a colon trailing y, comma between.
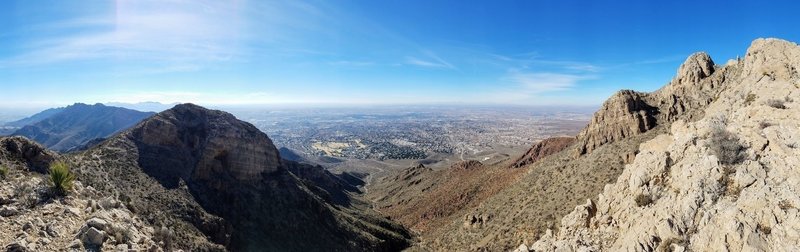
x: 625, y: 114
x: 628, y: 113
x: 682, y: 194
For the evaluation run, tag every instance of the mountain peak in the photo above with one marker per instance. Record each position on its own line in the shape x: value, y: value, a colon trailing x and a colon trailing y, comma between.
x: 696, y: 67
x: 218, y: 146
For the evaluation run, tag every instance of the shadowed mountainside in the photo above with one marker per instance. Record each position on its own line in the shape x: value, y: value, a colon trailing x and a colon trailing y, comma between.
x: 66, y: 128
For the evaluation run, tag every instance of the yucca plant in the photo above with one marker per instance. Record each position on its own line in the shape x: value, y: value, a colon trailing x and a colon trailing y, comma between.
x: 61, y: 178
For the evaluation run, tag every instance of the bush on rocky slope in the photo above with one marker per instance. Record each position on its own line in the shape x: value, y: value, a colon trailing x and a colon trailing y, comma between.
x: 60, y: 178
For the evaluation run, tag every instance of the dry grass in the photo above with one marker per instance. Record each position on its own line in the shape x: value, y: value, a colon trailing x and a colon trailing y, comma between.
x: 643, y: 200
x: 764, y: 229
x: 726, y: 146
x: 749, y: 99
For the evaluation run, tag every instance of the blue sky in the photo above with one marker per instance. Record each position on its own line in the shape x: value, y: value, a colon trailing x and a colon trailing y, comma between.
x: 364, y: 52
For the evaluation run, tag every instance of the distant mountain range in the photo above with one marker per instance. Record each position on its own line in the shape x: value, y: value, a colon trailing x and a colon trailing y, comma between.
x: 62, y: 129
x: 142, y: 106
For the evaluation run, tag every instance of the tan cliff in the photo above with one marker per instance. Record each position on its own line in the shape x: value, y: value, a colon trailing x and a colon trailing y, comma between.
x: 726, y: 181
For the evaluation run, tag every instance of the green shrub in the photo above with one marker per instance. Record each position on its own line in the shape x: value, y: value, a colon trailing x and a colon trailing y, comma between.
x: 3, y: 172
x: 61, y: 178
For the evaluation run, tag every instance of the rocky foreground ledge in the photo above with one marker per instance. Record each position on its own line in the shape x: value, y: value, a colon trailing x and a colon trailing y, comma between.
x: 728, y: 181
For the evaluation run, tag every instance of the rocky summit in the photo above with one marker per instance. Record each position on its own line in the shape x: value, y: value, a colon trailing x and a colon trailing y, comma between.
x: 724, y: 181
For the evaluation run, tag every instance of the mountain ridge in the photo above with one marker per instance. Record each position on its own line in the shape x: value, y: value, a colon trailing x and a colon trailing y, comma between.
x: 63, y: 129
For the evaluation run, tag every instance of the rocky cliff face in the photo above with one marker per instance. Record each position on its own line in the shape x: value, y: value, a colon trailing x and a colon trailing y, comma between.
x: 623, y: 115
x: 218, y: 181
x: 210, y: 147
x: 724, y: 181
x: 628, y: 113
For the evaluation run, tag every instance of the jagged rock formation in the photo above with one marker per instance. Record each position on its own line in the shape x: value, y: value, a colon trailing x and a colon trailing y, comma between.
x: 66, y: 128
x: 543, y: 149
x: 32, y: 155
x: 218, y: 182
x: 623, y: 115
x: 685, y: 192
x: 629, y: 113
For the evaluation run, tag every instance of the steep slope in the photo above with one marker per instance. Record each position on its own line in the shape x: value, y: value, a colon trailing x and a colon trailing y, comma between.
x: 77, y: 124
x: 215, y: 180
x: 557, y: 183
x: 727, y: 181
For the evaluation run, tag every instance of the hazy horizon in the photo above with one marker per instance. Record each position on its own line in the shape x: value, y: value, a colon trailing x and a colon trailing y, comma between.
x: 341, y: 53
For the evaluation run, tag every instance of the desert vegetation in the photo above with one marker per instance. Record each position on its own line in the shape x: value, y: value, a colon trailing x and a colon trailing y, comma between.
x: 725, y: 145
x: 60, y: 178
x: 3, y: 171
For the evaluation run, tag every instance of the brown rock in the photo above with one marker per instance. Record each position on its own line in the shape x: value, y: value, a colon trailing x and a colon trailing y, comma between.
x: 467, y: 165
x: 543, y: 149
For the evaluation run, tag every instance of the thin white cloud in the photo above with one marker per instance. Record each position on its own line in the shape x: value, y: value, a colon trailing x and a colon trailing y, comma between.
x: 171, y: 34
x: 431, y: 60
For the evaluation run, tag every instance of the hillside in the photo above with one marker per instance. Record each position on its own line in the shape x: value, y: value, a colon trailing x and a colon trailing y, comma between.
x: 197, y: 180
x: 725, y: 181
x: 523, y: 211
x: 73, y: 126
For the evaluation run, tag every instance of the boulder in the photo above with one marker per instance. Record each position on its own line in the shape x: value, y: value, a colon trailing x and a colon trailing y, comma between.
x: 93, y: 237
x: 18, y: 246
x: 7, y: 211
x: 97, y: 223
